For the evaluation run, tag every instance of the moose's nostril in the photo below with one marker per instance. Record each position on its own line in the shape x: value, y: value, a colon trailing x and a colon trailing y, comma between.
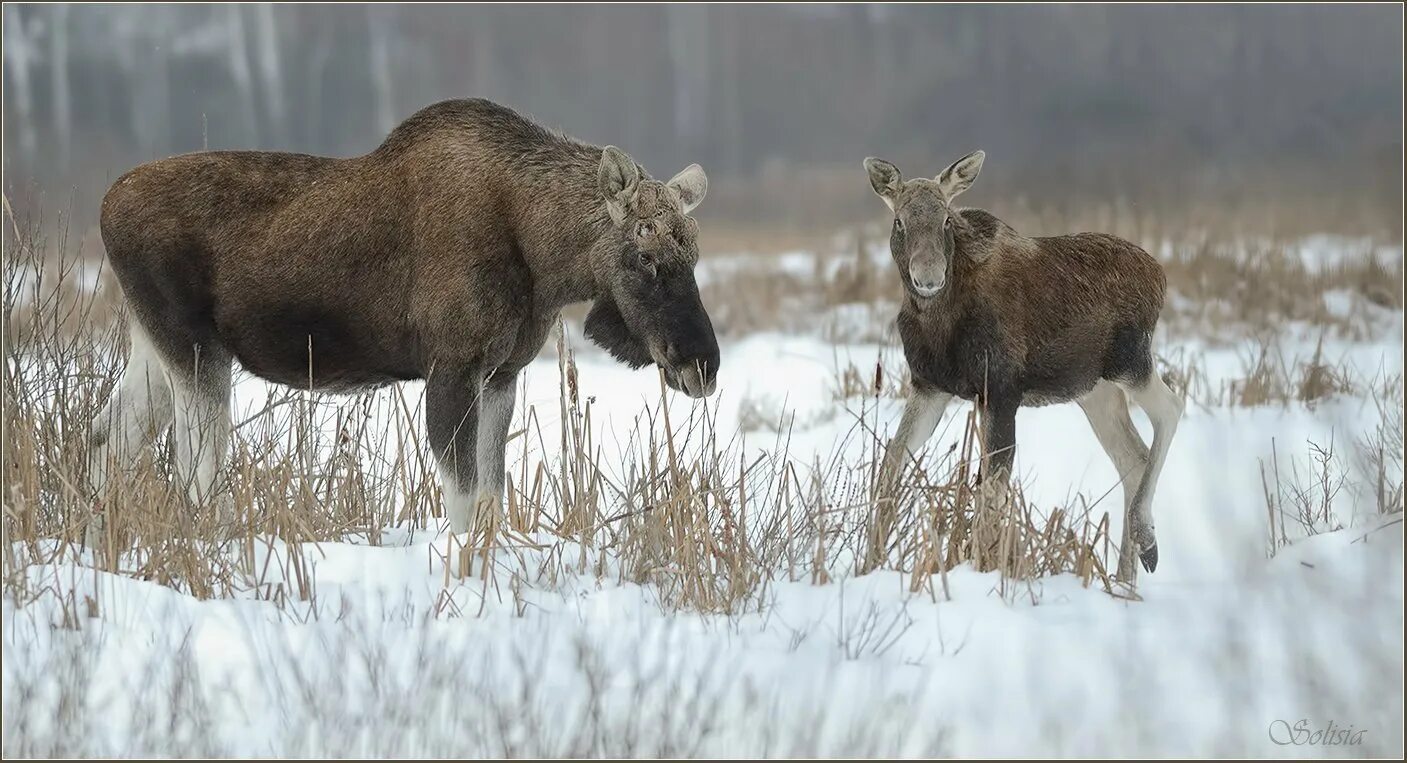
x: 927, y: 288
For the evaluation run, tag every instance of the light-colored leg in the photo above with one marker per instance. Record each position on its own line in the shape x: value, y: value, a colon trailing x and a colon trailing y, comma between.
x: 452, y: 398
x: 1107, y: 409
x: 1164, y: 409
x: 922, y: 413
x: 459, y: 500
x: 138, y: 411
x: 201, y: 430
x: 495, y: 416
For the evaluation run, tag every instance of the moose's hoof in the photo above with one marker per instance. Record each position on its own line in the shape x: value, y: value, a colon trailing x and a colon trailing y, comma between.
x: 1149, y: 557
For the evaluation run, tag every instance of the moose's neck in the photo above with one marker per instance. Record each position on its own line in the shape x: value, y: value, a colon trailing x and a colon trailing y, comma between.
x: 563, y: 220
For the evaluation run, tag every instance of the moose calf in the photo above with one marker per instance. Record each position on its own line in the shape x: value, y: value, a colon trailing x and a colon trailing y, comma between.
x: 1007, y: 320
x: 445, y: 254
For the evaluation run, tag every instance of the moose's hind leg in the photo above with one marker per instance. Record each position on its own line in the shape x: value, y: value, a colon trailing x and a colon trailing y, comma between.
x: 452, y: 399
x: 495, y: 416
x: 136, y: 413
x: 201, y: 431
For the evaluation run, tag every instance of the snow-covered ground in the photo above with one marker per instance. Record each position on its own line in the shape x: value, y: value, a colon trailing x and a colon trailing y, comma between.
x: 1227, y: 650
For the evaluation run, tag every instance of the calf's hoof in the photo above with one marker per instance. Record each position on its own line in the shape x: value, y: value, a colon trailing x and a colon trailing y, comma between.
x: 1149, y: 557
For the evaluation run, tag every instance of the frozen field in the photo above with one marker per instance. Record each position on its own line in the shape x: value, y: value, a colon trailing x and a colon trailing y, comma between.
x: 1241, y: 634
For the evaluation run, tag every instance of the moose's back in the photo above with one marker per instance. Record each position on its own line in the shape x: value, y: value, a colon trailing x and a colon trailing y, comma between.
x: 312, y: 269
x: 264, y: 253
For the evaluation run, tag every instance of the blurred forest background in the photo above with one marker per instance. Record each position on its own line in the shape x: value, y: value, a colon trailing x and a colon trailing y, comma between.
x: 1284, y: 116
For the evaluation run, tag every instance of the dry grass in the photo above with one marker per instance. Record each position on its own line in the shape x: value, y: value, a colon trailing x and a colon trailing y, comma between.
x: 888, y: 377
x: 1221, y: 289
x: 766, y: 212
x: 1308, y: 502
x: 1301, y: 494
x: 928, y: 528
x: 1380, y: 451
x: 684, y: 511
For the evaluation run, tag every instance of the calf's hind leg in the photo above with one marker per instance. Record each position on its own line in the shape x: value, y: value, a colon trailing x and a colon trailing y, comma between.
x: 1107, y: 409
x: 1164, y: 409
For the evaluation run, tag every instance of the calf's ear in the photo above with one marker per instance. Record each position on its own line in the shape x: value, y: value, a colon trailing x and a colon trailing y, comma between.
x: 884, y: 179
x: 959, y: 175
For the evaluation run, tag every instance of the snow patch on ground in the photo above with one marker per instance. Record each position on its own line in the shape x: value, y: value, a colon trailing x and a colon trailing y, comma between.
x: 1224, y: 643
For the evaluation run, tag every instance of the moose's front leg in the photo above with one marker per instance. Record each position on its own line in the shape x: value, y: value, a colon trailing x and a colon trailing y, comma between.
x: 452, y: 400
x: 495, y: 415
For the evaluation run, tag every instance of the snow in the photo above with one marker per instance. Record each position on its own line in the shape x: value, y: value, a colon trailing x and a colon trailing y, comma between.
x: 395, y: 656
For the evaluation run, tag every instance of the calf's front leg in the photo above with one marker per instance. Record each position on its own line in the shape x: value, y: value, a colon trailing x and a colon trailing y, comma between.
x: 922, y: 413
x: 998, y: 444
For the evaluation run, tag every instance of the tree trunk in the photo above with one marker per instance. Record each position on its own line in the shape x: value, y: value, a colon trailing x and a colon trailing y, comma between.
x: 59, y: 82
x: 378, y: 21
x: 271, y: 72
x: 240, y: 72
x: 688, y: 46
x: 19, y: 55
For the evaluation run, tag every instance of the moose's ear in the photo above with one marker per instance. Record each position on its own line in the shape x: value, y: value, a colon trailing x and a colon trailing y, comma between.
x: 619, y: 179
x: 691, y: 184
x: 959, y: 175
x: 884, y: 179
x: 606, y: 327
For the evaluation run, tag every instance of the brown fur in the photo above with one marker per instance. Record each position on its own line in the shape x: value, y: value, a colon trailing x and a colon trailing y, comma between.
x: 1006, y: 320
x: 458, y: 240
x: 446, y: 253
x: 1061, y: 308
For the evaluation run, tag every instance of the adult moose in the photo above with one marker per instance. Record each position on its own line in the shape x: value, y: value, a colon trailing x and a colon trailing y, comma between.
x: 446, y: 254
x: 1006, y: 320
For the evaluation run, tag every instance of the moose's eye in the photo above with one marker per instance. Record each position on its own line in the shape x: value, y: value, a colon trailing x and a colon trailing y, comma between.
x: 644, y: 229
x: 647, y: 264
x: 898, y: 225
